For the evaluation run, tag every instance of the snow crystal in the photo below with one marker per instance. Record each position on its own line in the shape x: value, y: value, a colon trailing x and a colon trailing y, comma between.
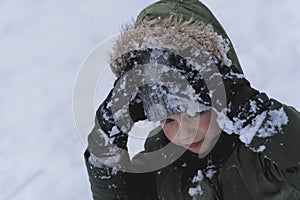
x: 210, y: 173
x: 277, y: 118
x: 111, y: 140
x: 259, y: 149
x: 197, y: 179
x: 114, y: 171
x: 195, y: 191
x: 114, y: 131
x: 281, y: 144
x: 164, y: 155
x: 225, y: 50
x: 122, y: 85
x: 106, y: 117
x: 112, y: 186
x: 248, y: 132
x: 192, y: 107
x: 224, y: 122
x: 108, y: 161
x: 94, y: 161
x: 116, y: 99
x: 253, y: 106
x: 105, y: 177
x: 109, y: 105
x: 122, y: 112
x: 184, y: 164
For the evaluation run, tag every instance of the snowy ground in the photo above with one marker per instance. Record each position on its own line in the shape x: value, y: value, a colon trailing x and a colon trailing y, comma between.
x: 42, y: 45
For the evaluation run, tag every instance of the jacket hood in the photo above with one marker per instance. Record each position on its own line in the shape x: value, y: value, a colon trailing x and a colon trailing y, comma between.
x: 185, y: 27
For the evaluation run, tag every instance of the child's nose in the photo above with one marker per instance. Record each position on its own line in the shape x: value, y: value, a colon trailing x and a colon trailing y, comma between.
x: 186, y: 130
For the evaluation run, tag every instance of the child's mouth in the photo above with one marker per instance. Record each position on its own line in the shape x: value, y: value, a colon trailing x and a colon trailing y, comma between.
x: 196, y: 144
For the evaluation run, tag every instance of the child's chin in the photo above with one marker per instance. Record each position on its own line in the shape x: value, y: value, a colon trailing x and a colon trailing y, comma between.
x: 197, y: 150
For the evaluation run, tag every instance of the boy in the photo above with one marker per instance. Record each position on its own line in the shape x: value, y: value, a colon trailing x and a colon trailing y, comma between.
x: 218, y: 138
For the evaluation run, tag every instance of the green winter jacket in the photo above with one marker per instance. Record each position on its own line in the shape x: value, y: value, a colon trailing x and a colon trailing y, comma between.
x: 238, y: 171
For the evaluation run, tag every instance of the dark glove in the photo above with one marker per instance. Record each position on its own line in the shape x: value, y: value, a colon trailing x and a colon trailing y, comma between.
x: 243, y: 102
x: 117, y: 127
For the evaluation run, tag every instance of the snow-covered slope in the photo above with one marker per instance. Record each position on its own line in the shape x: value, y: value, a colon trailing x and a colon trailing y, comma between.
x: 42, y: 45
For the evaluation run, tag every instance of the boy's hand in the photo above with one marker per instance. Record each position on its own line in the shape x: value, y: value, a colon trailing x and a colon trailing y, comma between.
x: 116, y: 123
x: 243, y: 102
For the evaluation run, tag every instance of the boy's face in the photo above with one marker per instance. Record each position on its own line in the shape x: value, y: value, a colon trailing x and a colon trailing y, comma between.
x: 195, y: 133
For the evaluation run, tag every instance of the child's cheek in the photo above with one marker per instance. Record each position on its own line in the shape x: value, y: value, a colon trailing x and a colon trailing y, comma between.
x: 169, y: 134
x: 204, y: 122
x: 204, y: 126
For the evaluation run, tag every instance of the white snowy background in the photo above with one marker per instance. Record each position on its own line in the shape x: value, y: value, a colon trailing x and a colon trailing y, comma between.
x: 42, y: 45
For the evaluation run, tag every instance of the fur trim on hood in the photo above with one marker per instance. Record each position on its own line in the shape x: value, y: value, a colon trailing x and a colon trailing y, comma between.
x: 172, y: 34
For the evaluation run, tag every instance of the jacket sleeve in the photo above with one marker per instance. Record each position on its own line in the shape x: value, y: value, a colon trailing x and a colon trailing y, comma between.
x: 110, y: 184
x: 106, y: 183
x: 283, y: 148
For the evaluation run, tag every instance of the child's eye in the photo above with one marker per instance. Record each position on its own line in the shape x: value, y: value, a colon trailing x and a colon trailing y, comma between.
x: 166, y: 121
